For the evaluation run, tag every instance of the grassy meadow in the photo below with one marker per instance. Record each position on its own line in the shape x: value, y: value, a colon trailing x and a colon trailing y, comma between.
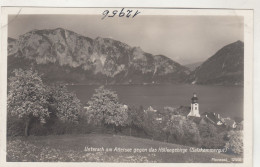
x: 71, y: 148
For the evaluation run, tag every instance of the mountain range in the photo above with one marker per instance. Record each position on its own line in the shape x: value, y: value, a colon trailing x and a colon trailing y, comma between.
x: 193, y: 66
x: 64, y: 56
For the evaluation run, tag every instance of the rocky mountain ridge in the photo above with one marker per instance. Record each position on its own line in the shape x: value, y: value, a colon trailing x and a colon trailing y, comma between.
x: 65, y: 56
x: 70, y: 57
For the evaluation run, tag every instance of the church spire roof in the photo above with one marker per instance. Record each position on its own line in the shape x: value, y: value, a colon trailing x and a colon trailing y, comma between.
x: 194, y: 99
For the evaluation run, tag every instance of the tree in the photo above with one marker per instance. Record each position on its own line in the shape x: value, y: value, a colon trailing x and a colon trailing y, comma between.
x: 207, y: 130
x: 216, y: 142
x: 105, y: 109
x: 27, y: 97
x: 235, y: 143
x: 67, y: 106
x: 135, y: 118
x: 181, y: 129
x: 191, y: 132
x: 210, y: 136
x: 116, y: 117
x: 150, y: 125
x: 174, y: 127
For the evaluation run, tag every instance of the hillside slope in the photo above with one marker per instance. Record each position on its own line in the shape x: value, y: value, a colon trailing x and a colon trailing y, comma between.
x: 224, y: 67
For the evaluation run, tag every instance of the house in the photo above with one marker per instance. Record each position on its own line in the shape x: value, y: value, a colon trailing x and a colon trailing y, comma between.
x: 86, y: 107
x: 208, y: 117
x: 159, y: 119
x: 150, y: 109
x: 230, y: 123
x: 125, y: 106
x: 213, y: 118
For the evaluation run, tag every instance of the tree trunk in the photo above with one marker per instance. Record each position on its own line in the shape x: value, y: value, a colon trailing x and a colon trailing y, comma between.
x: 167, y: 137
x: 26, y: 131
x: 114, y: 129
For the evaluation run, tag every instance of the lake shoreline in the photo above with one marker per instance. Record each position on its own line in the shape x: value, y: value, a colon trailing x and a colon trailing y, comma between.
x: 225, y: 100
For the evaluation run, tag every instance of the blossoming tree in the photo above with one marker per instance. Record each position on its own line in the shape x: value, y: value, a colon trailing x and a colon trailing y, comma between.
x: 27, y: 97
x: 104, y: 109
x: 67, y: 105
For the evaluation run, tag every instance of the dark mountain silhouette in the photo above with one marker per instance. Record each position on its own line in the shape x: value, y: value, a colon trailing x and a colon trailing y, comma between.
x: 226, y: 67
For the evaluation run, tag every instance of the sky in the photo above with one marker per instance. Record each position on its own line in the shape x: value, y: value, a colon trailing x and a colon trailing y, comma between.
x: 184, y: 39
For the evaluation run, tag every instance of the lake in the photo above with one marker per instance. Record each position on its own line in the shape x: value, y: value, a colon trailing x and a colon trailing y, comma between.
x: 225, y: 100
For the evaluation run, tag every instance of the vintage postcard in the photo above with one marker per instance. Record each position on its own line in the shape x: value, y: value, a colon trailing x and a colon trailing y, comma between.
x: 107, y: 86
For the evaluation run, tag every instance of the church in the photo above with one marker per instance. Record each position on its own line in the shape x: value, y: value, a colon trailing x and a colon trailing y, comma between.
x: 194, y: 110
x: 208, y: 117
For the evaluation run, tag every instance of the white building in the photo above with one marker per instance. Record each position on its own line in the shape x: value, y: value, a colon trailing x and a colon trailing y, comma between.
x: 150, y: 109
x: 194, y: 110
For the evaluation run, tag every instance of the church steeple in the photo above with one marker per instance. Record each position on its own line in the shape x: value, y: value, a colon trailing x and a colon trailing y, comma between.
x: 194, y: 99
x: 194, y: 110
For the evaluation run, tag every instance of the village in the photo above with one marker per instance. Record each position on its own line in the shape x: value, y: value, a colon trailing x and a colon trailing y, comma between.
x: 185, y: 125
x: 194, y: 114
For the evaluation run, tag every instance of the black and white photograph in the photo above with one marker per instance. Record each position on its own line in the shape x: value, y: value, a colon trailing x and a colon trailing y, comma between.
x: 126, y: 85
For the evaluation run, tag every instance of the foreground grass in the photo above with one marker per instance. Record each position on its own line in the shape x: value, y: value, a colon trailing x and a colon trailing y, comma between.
x: 70, y: 148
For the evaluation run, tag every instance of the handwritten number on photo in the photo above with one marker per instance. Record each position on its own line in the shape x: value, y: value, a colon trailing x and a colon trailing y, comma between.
x: 122, y: 13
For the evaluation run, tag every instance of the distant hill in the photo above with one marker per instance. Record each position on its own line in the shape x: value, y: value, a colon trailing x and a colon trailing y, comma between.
x: 193, y: 66
x: 65, y: 56
x: 226, y: 67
